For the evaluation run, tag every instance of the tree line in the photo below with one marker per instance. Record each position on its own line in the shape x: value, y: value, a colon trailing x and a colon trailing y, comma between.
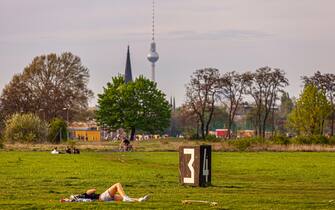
x: 263, y: 89
x: 53, y: 89
x: 56, y: 86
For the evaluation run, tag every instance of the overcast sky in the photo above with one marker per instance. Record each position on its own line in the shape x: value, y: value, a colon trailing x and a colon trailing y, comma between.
x: 297, y: 36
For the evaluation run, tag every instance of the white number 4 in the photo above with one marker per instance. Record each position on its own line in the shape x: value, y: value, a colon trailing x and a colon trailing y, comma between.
x: 205, y: 171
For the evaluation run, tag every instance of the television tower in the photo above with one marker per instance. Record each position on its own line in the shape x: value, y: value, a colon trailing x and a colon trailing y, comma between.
x: 153, y: 55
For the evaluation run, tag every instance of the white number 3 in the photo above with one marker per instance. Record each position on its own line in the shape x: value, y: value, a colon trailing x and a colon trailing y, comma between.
x: 190, y: 180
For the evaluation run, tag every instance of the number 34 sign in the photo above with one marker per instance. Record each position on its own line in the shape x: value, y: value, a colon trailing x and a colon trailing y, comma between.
x: 195, y: 165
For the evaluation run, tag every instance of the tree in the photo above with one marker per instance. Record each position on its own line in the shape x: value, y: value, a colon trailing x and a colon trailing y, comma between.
x: 325, y: 82
x: 232, y: 88
x: 25, y: 128
x: 220, y: 118
x: 2, y: 121
x: 187, y: 122
x: 266, y: 84
x: 47, y: 86
x: 137, y: 105
x: 201, y: 95
x: 57, y: 131
x: 285, y: 108
x: 310, y: 112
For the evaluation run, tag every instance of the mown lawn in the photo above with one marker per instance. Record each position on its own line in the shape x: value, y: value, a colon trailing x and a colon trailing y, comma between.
x: 37, y: 180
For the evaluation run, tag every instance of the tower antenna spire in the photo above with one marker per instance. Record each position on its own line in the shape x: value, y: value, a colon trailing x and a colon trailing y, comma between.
x: 153, y: 20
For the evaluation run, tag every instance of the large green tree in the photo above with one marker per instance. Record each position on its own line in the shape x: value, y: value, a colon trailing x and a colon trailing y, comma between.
x: 52, y: 85
x: 137, y: 105
x: 309, y: 114
x: 326, y: 82
x: 285, y: 108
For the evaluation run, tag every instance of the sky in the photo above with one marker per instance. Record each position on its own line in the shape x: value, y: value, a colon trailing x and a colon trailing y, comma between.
x: 241, y: 35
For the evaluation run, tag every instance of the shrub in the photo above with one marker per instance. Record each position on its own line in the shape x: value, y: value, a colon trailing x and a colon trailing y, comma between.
x: 315, y: 139
x: 318, y: 139
x: 25, y: 128
x: 282, y: 140
x: 211, y: 137
x: 332, y: 140
x: 244, y: 143
x: 57, y: 131
x: 301, y: 140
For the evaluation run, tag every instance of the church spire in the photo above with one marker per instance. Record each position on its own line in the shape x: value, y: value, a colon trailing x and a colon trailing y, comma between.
x: 128, y: 75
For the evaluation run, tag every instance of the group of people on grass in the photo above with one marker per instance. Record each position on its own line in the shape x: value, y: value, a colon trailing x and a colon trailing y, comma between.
x: 68, y: 150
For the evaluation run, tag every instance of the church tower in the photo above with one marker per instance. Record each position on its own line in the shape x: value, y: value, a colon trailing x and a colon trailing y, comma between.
x: 128, y: 75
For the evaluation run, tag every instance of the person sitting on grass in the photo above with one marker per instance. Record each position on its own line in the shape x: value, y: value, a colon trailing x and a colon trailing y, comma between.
x: 114, y: 193
x: 56, y: 152
x: 68, y: 150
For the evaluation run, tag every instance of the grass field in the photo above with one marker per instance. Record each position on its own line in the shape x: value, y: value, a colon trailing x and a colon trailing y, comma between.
x: 37, y: 180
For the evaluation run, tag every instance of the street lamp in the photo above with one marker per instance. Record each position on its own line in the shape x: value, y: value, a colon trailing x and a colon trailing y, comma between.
x: 67, y: 121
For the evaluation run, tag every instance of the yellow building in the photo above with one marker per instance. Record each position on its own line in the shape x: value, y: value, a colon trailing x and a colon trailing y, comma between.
x: 85, y: 134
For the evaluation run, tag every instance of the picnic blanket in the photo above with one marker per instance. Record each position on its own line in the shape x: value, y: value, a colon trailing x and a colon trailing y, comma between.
x: 79, y: 198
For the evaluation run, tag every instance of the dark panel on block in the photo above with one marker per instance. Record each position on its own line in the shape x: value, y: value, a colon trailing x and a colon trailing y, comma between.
x: 205, y: 165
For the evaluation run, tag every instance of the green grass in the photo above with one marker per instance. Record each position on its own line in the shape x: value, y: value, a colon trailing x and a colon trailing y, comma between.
x: 37, y: 180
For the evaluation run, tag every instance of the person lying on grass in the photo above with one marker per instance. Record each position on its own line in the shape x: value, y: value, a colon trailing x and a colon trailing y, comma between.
x: 114, y: 193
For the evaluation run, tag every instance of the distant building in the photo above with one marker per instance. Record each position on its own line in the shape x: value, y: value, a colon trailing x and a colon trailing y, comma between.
x: 246, y: 133
x: 221, y: 133
x: 85, y: 134
x: 88, y: 131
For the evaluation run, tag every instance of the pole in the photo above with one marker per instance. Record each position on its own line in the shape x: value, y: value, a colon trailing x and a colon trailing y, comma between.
x: 153, y: 71
x: 67, y: 120
x: 60, y: 135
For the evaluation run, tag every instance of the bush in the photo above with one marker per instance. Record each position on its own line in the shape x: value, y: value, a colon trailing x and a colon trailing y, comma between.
x: 282, y: 140
x: 315, y: 139
x: 25, y: 128
x: 211, y: 137
x: 332, y: 140
x: 319, y: 139
x: 301, y: 140
x: 244, y: 143
x: 57, y: 131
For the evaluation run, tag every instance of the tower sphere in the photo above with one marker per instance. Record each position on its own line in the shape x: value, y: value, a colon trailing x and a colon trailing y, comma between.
x: 153, y: 55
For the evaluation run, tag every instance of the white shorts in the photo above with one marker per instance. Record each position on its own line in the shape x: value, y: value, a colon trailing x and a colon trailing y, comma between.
x: 105, y: 196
